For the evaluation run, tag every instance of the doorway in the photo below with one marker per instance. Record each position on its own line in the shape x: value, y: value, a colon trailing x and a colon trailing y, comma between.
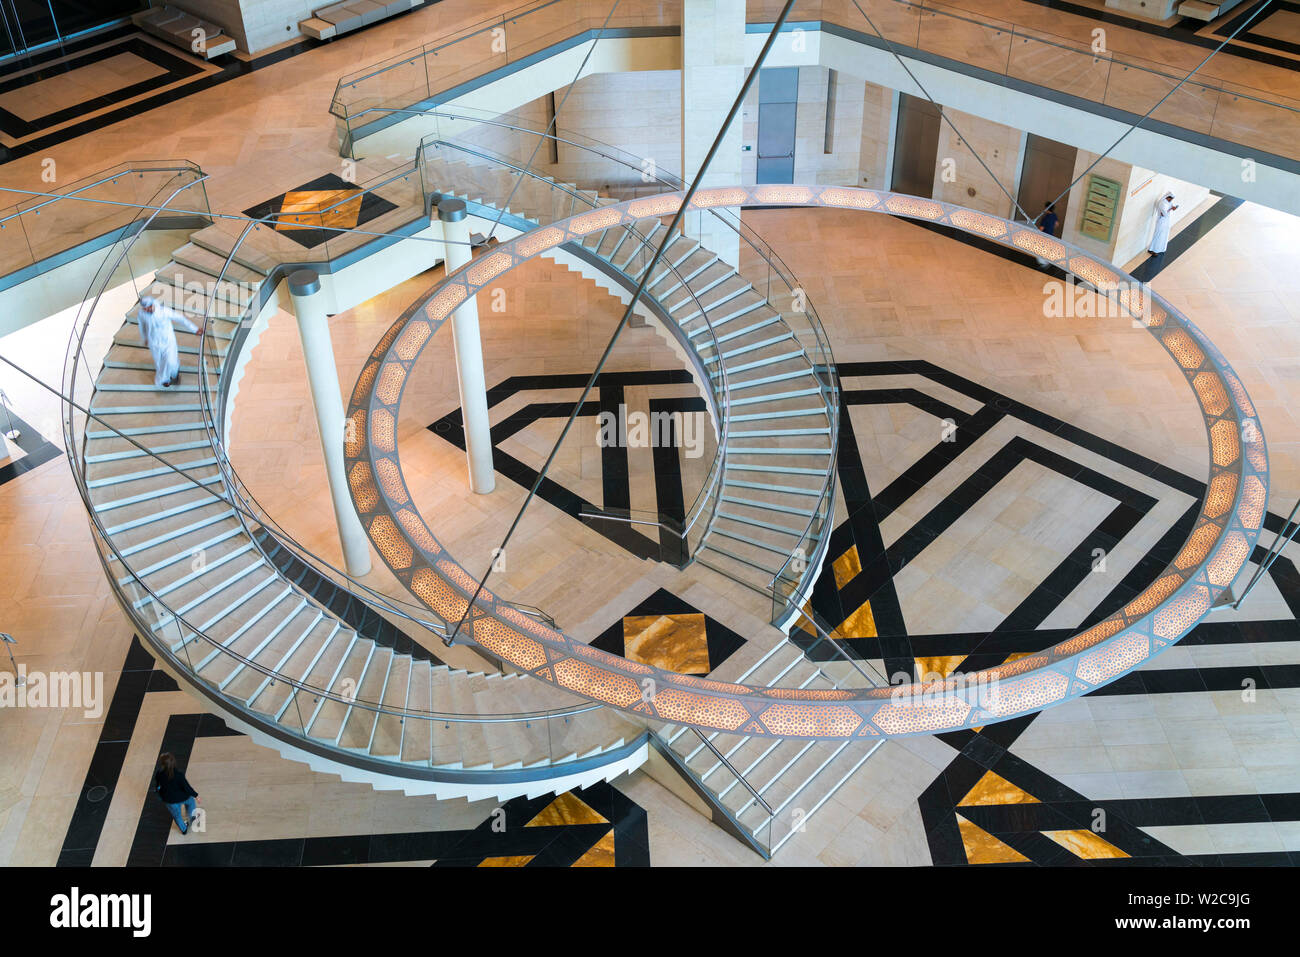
x: 778, y: 108
x: 916, y: 146
x: 1046, y: 174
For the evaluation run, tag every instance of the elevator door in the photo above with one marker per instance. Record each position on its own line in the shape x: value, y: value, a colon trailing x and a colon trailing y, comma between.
x: 778, y: 107
x: 1046, y: 173
x: 916, y: 146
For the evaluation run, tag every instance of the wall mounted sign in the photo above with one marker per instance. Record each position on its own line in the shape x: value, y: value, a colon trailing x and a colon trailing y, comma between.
x: 1097, y: 221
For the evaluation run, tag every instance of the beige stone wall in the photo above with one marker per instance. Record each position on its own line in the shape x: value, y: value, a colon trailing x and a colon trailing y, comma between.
x: 877, y: 136
x: 713, y: 71
x: 859, y: 146
x: 1135, y: 218
x: 639, y: 113
x: 255, y: 24
x: 965, y: 181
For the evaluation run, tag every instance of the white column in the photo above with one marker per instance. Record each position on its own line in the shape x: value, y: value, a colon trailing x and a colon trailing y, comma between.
x: 318, y: 353
x: 713, y: 71
x: 469, y: 353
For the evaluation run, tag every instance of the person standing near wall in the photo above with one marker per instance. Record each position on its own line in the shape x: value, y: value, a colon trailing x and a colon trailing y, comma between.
x: 170, y: 785
x: 1164, y: 219
x: 1048, y: 220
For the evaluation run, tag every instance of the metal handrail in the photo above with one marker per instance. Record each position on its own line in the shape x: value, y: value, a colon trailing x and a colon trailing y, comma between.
x: 128, y: 603
x: 38, y: 200
x: 738, y: 776
x: 123, y: 169
x: 755, y: 241
x: 722, y: 395
x: 352, y: 79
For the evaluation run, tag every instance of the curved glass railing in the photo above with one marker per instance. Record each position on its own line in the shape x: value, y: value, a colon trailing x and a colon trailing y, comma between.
x: 623, y: 176
x: 90, y: 213
x: 1259, y: 118
x: 444, y: 69
x: 259, y: 524
x: 682, y: 535
x: 179, y: 641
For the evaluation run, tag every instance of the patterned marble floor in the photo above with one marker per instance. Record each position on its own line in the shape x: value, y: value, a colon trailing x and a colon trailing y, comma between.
x: 1069, y: 436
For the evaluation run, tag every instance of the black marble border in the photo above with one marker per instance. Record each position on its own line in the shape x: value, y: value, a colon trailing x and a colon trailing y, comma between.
x: 1259, y: 39
x: 615, y: 479
x: 721, y: 641
x: 37, y: 450
x: 557, y: 846
x: 177, y: 68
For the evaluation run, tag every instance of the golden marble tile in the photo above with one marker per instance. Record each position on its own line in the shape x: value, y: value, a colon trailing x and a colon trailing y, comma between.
x: 1084, y: 843
x: 567, y: 809
x: 675, y: 642
x: 983, y: 848
x: 995, y: 789
x: 846, y: 567
x: 860, y: 624
x: 519, y: 860
x: 314, y: 208
x: 1016, y: 656
x: 942, y: 665
x: 601, y: 855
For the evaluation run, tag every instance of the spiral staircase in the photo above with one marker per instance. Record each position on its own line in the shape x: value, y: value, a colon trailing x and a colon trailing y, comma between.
x: 279, y: 648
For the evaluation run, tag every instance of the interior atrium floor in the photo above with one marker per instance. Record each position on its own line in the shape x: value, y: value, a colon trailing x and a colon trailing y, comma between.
x: 1071, y: 436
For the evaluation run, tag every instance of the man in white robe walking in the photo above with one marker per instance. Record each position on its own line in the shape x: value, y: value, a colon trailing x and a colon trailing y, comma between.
x: 1164, y: 219
x: 157, y: 322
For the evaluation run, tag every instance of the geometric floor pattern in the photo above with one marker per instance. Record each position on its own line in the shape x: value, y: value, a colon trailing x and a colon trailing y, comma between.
x: 666, y: 632
x: 940, y: 524
x: 1166, y: 728
x: 594, y: 827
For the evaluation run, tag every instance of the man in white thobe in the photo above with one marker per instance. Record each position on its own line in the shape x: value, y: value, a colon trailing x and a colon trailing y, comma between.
x: 1164, y: 219
x: 157, y: 322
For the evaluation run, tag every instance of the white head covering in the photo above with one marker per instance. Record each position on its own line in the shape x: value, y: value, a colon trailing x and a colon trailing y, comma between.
x: 148, y: 302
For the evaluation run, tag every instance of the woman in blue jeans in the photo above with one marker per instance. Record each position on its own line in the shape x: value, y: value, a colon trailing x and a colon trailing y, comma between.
x: 175, y: 791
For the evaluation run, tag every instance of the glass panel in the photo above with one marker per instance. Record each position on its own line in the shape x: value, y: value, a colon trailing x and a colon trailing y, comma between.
x: 40, y: 227
x: 984, y: 45
x: 74, y: 16
x: 35, y: 23
x: 1137, y: 89
x: 1059, y: 67
x: 1244, y: 118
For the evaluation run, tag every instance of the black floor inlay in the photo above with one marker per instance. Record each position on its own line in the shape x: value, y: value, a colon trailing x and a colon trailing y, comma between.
x: 296, y: 213
x: 596, y: 826
x: 175, y: 67
x: 671, y: 632
x: 615, y: 480
x: 36, y: 449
